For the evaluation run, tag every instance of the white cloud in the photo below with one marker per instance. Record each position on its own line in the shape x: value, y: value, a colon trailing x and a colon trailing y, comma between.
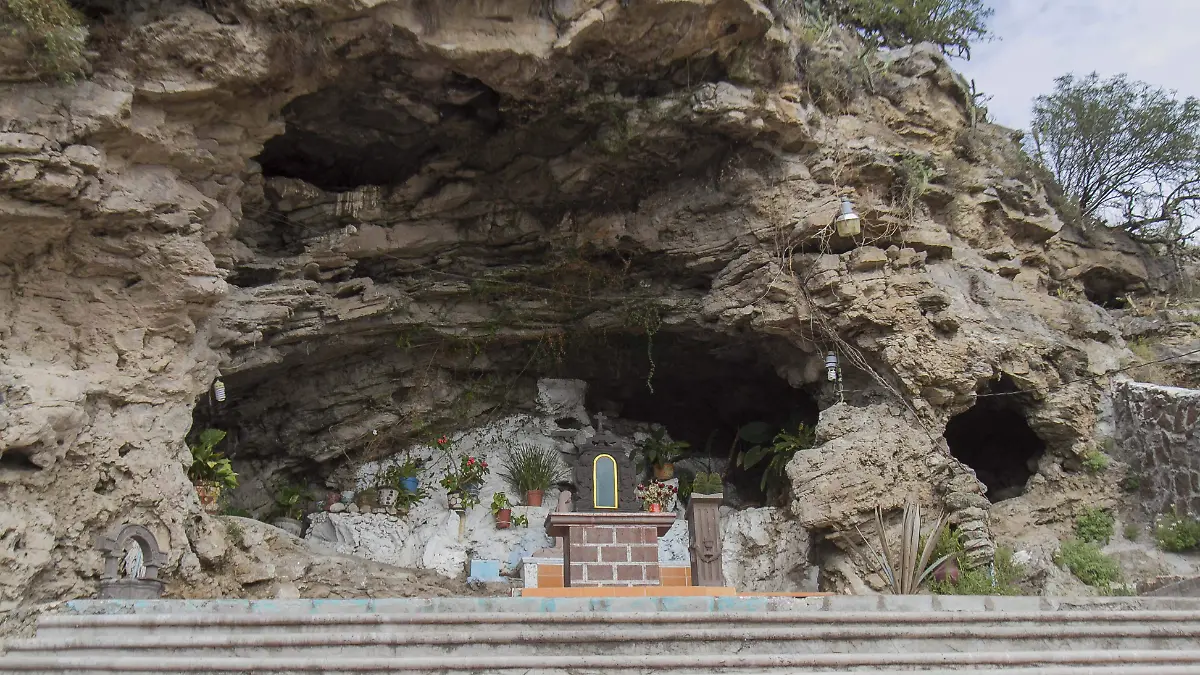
x: 1152, y: 40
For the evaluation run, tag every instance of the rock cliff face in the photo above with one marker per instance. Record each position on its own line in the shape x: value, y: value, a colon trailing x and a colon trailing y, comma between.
x: 374, y: 218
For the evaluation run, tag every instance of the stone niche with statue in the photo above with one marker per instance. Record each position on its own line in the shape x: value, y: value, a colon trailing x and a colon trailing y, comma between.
x: 608, y: 540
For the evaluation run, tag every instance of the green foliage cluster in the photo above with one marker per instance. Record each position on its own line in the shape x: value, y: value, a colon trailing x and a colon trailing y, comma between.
x: 952, y: 25
x: 290, y: 500
x: 1125, y: 153
x: 211, y: 466
x: 777, y: 450
x: 708, y: 484
x: 1177, y: 532
x: 395, y: 474
x: 912, y: 180
x: 529, y: 467
x: 54, y: 32
x: 1095, y: 525
x: 1095, y: 462
x: 1088, y: 563
x: 658, y: 451
x: 999, y: 578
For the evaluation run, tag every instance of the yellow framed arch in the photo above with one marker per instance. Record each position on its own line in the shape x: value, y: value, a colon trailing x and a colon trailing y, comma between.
x: 604, y: 482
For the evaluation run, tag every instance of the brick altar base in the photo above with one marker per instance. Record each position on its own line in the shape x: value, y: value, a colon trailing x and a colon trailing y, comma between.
x: 610, y: 549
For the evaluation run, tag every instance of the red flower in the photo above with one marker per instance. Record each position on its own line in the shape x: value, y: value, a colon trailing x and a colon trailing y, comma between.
x: 443, y: 440
x: 470, y: 461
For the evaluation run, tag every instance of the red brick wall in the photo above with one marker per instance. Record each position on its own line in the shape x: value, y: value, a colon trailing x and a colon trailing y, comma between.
x: 612, y: 555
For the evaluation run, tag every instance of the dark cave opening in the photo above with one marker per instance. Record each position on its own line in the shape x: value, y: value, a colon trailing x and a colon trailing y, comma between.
x: 994, y: 438
x: 1105, y: 288
x: 701, y: 391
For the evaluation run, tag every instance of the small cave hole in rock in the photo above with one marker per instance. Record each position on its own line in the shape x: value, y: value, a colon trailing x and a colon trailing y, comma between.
x: 1106, y: 289
x: 994, y: 438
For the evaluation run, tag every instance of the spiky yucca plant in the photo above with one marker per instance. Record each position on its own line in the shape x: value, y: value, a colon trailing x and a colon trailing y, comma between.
x: 906, y: 573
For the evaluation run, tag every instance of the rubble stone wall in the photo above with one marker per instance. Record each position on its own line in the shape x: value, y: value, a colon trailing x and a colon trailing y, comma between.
x: 1156, y: 435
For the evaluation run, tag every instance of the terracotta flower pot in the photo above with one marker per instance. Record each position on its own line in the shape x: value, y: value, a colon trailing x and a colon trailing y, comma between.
x: 534, y: 497
x: 664, y: 471
x: 503, y: 519
x: 210, y: 496
x: 655, y: 508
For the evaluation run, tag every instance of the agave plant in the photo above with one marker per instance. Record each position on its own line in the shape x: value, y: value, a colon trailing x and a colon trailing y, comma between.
x: 906, y: 573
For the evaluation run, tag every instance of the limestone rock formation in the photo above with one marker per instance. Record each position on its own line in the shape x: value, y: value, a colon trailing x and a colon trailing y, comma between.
x: 374, y: 220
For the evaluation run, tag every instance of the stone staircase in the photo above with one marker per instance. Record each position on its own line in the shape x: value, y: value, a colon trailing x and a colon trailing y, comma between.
x: 926, y: 634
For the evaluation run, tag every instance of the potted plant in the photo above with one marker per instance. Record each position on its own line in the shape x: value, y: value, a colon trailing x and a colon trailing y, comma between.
x: 210, y: 471
x: 531, y: 470
x: 656, y: 496
x: 463, y: 480
x: 387, y: 487
x: 502, y: 511
x: 661, y: 454
x: 289, y: 509
x: 405, y: 500
x: 707, y: 483
x: 407, y: 473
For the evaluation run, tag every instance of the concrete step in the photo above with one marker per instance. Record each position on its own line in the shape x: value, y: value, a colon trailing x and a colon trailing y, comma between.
x: 66, y: 625
x: 1068, y: 663
x: 365, y: 640
x: 645, y: 636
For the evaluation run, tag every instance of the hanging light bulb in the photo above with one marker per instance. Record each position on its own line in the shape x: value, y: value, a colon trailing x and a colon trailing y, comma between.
x: 219, y: 391
x: 848, y: 223
x: 831, y: 367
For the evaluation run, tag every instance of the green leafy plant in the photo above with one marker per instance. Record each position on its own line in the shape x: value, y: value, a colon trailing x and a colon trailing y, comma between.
x: 289, y: 500
x: 53, y: 32
x: 499, y: 503
x: 406, y: 500
x: 1132, y: 482
x: 658, y: 451
x: 1095, y: 525
x: 1088, y: 563
x: 208, y: 465
x: 906, y: 571
x: 1124, y: 153
x: 520, y: 521
x: 707, y: 484
x: 395, y: 475
x: 1132, y: 532
x: 998, y: 578
x: 1176, y: 532
x: 529, y: 468
x: 952, y: 25
x: 782, y: 447
x: 1095, y: 461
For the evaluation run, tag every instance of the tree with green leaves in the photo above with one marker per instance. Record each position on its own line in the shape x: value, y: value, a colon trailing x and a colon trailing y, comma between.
x: 952, y: 25
x: 1125, y: 153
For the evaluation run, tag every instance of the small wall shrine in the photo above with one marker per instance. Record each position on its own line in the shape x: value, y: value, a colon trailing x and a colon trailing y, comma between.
x: 608, y: 540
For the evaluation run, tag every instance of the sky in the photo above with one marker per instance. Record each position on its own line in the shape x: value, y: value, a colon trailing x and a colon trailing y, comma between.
x: 1156, y: 41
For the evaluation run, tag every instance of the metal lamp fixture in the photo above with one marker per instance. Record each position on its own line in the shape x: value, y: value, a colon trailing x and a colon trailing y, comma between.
x: 219, y: 391
x: 831, y: 367
x: 848, y: 223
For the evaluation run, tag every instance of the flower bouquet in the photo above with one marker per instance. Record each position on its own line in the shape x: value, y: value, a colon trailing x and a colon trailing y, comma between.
x: 656, y: 496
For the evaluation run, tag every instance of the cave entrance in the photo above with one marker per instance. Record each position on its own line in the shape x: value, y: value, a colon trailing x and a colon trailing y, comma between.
x: 702, y: 391
x: 994, y: 438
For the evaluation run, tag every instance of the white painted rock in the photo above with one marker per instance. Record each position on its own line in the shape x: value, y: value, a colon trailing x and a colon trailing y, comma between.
x: 764, y: 550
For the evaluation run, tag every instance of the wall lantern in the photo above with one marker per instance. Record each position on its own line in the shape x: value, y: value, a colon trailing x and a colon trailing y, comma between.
x: 219, y: 391
x: 831, y: 367
x: 848, y: 223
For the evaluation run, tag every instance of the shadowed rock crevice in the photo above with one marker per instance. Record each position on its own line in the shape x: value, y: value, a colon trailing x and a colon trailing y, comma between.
x: 994, y: 438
